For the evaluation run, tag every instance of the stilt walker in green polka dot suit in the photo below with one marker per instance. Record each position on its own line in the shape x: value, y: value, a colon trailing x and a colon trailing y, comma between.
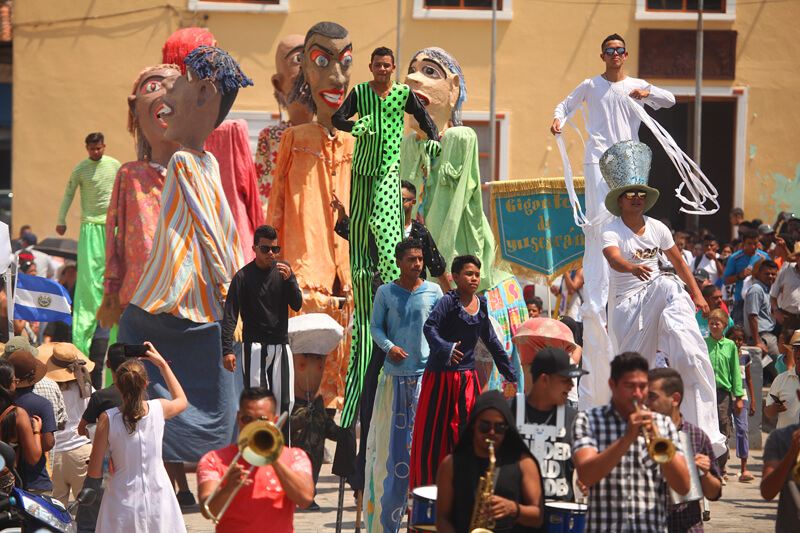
x: 375, y: 198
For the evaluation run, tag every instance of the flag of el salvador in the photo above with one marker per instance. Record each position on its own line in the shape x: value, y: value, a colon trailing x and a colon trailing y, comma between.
x: 41, y: 299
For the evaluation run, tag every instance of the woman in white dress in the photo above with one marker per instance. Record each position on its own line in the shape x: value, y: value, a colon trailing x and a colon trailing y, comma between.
x: 139, y: 496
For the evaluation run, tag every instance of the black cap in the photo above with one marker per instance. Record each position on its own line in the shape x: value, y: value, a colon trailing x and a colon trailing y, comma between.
x: 554, y: 360
x: 701, y: 274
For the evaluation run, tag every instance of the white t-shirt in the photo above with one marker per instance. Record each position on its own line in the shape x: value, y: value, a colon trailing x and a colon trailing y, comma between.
x: 637, y: 249
x: 68, y: 439
x: 608, y: 115
x: 709, y: 266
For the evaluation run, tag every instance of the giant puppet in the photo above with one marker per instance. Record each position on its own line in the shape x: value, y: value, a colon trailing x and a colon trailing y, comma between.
x: 287, y: 65
x: 375, y: 200
x: 136, y: 197
x: 314, y: 163
x: 230, y: 144
x: 178, y: 302
x: 449, y: 187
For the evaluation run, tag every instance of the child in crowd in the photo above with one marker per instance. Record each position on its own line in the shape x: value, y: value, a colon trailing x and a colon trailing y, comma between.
x: 534, y: 305
x: 725, y: 361
x: 737, y: 335
x: 450, y: 383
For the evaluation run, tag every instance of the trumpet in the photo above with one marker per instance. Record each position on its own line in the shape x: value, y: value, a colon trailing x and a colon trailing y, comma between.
x: 260, y: 443
x: 796, y: 470
x: 661, y: 449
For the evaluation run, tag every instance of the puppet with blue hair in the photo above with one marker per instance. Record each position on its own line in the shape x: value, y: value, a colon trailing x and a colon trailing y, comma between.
x: 179, y: 301
x: 451, y: 207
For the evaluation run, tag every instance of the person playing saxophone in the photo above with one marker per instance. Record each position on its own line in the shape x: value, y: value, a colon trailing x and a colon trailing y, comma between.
x: 513, y: 502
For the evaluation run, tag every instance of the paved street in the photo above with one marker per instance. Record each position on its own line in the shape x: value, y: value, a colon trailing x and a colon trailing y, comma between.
x: 741, y: 509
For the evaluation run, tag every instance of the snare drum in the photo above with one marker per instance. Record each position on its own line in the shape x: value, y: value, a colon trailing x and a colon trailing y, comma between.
x: 423, y: 508
x: 565, y: 517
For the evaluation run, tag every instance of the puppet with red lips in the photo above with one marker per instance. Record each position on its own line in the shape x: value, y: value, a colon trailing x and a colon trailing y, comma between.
x: 136, y: 197
x: 313, y: 164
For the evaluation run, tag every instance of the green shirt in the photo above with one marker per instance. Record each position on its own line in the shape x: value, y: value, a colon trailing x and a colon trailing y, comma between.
x: 725, y: 361
x: 96, y: 180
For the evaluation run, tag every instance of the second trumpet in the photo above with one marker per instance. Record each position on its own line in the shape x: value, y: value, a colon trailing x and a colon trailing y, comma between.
x: 661, y: 449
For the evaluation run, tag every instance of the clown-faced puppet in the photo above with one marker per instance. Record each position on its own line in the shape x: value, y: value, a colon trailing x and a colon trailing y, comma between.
x: 136, y: 196
x: 313, y: 163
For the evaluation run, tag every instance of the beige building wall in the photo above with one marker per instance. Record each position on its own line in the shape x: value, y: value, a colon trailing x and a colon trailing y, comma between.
x: 72, y: 75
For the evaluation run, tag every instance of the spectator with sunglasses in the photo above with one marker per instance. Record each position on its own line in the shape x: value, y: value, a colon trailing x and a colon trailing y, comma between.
x: 259, y: 296
x: 609, y: 118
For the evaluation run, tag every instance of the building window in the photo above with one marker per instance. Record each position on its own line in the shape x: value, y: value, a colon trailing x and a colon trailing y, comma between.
x: 685, y: 10
x: 241, y: 6
x: 709, y: 6
x: 463, y: 4
x: 461, y: 9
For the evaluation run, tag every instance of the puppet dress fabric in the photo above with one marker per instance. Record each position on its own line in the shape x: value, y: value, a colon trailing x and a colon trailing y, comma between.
x: 139, y: 497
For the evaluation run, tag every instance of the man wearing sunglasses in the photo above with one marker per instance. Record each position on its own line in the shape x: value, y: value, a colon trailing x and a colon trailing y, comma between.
x: 609, y: 119
x: 649, y: 311
x: 261, y: 294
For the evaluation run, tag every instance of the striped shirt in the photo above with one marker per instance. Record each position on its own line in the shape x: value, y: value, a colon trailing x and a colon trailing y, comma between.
x: 96, y: 179
x: 376, y: 154
x: 196, y: 249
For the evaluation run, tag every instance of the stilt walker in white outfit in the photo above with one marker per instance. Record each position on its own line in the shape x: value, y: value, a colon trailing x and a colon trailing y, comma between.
x: 649, y: 311
x: 610, y: 117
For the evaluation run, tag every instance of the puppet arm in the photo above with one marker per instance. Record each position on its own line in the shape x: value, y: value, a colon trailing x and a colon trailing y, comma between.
x: 277, y: 198
x: 348, y: 108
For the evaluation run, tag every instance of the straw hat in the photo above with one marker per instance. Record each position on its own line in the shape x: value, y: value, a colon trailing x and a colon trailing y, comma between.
x: 60, y: 358
x: 793, y: 341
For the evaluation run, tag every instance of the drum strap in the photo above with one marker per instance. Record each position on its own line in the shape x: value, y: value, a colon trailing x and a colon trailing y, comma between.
x: 539, y: 433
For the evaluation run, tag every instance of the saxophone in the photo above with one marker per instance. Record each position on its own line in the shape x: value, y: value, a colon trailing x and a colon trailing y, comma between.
x: 481, y: 523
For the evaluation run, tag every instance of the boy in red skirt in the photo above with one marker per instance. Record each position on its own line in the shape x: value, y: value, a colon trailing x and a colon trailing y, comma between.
x: 450, y: 383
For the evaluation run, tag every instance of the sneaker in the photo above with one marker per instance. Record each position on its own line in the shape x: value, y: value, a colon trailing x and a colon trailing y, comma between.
x: 724, y: 479
x: 186, y: 498
x: 746, y: 477
x: 706, y: 516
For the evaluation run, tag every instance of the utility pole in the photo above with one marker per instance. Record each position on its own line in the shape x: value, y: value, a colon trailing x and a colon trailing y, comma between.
x: 694, y: 220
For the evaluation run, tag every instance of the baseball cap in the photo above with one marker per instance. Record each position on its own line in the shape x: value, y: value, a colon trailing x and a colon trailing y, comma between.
x: 765, y: 229
x: 554, y: 360
x: 18, y: 343
x: 30, y: 238
x: 701, y: 274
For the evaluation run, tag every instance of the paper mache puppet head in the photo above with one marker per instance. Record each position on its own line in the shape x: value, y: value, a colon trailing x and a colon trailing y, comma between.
x: 626, y: 167
x: 197, y: 102
x: 325, y: 70
x: 144, y: 105
x: 182, y: 42
x: 436, y: 78
x: 287, y: 67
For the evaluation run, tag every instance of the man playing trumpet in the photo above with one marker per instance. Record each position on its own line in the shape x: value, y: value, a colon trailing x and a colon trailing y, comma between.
x: 782, y: 472
x: 626, y: 485
x: 270, y: 493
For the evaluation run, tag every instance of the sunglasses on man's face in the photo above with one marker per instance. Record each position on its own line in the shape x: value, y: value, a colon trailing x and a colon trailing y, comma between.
x: 265, y: 249
x: 630, y: 195
x: 484, y: 427
x: 620, y: 50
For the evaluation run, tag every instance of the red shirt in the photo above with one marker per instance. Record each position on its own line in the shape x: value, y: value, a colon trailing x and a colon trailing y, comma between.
x: 263, y: 501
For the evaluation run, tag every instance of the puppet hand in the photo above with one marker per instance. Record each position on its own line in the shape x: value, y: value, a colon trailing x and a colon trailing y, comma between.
x: 362, y: 126
x: 237, y: 331
x: 109, y: 311
x: 433, y: 148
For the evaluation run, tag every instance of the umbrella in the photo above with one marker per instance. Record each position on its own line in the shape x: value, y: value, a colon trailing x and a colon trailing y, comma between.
x: 535, y: 334
x: 66, y: 248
